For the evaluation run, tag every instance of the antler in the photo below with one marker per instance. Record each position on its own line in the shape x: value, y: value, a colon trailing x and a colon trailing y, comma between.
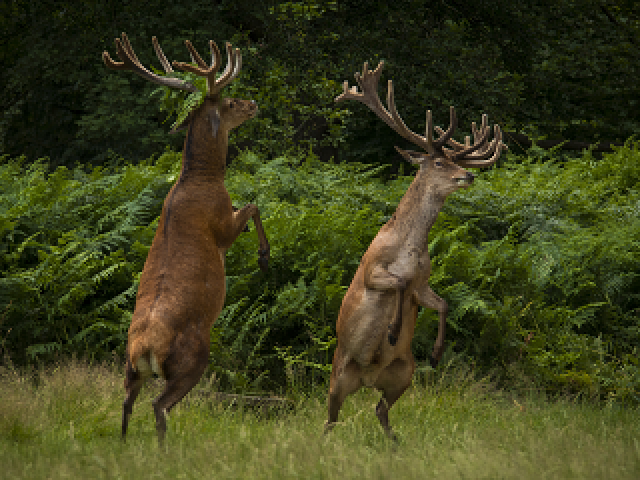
x: 462, y: 154
x: 481, y: 153
x: 130, y: 62
x: 368, y: 82
x: 214, y: 86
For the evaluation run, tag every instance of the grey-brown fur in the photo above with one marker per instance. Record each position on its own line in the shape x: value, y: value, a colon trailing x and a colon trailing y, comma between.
x: 377, y: 318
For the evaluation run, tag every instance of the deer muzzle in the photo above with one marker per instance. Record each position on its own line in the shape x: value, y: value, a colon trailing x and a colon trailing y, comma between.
x: 466, y: 180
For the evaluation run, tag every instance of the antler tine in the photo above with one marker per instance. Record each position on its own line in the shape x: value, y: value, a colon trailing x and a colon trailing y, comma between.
x: 130, y: 62
x: 201, y: 69
x: 127, y: 63
x: 493, y: 150
x: 234, y: 63
x: 238, y: 65
x: 109, y: 62
x: 429, y: 128
x: 400, y: 127
x: 214, y: 86
x: 216, y: 58
x: 160, y: 54
x: 453, y: 124
x: 453, y: 143
x: 129, y: 49
x: 477, y: 134
x: 481, y: 153
x: 479, y: 142
x: 368, y: 83
x: 467, y: 140
x: 195, y: 57
x: 360, y: 78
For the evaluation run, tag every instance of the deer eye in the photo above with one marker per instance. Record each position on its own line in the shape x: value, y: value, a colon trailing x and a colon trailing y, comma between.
x: 438, y: 163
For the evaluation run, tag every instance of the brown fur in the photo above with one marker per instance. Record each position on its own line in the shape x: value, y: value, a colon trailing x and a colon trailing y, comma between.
x: 182, y: 286
x: 378, y: 314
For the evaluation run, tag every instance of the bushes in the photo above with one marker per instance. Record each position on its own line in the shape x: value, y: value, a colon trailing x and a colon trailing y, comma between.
x: 540, y: 250
x: 71, y: 245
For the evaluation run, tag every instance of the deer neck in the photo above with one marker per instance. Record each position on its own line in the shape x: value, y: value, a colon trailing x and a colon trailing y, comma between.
x: 418, y: 210
x: 204, y: 155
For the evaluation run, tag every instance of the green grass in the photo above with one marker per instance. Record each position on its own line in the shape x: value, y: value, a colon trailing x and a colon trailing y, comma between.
x: 65, y: 422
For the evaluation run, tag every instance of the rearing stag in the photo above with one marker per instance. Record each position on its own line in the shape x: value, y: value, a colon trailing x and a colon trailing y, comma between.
x: 182, y: 286
x: 378, y: 313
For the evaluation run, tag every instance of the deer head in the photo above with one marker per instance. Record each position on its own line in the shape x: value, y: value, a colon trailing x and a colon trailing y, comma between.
x: 443, y: 165
x: 220, y: 115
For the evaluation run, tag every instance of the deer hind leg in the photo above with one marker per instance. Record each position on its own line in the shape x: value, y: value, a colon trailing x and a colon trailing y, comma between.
x: 240, y: 219
x: 344, y: 381
x: 133, y: 382
x: 392, y: 382
x: 183, y: 368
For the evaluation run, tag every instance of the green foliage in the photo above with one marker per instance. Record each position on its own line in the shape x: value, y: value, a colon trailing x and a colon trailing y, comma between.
x: 296, y: 109
x: 180, y: 102
x: 557, y: 257
x: 538, y: 261
x: 280, y: 92
x: 72, y: 244
x: 549, y: 69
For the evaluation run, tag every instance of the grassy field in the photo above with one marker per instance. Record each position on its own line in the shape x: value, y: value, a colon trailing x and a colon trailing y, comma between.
x: 64, y: 423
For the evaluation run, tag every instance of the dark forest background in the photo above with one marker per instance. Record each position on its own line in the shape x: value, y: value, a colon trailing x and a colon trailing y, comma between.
x: 551, y: 70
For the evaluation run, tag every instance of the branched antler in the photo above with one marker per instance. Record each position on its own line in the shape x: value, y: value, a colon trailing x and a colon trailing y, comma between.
x: 480, y: 154
x: 214, y: 86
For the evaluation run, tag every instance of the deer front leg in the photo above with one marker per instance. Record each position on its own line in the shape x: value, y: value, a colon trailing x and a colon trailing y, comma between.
x: 379, y: 278
x: 246, y: 227
x: 426, y: 297
x: 240, y: 219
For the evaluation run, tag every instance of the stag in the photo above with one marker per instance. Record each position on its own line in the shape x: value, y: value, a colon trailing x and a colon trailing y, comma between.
x: 378, y: 314
x: 182, y: 286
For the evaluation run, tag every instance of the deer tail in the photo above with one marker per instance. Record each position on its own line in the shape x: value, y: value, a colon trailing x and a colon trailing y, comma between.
x: 137, y: 349
x: 144, y: 359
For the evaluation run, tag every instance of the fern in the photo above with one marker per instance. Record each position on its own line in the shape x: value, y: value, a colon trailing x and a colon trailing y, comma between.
x: 538, y: 270
x: 180, y: 102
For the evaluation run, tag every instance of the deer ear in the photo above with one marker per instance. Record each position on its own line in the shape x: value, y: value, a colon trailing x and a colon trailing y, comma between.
x: 411, y: 156
x: 214, y: 118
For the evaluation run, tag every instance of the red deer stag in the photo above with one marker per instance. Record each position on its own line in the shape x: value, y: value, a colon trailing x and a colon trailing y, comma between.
x: 182, y: 286
x: 378, y: 313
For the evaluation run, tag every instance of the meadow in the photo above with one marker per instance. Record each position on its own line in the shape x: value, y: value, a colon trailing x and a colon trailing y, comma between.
x: 64, y: 422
